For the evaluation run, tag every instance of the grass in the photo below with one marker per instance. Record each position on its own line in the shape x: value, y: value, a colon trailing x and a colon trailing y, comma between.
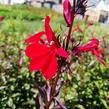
x: 27, y: 16
x: 26, y: 12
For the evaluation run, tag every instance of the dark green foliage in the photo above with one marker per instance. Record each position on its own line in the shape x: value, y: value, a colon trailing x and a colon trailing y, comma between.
x: 92, y: 93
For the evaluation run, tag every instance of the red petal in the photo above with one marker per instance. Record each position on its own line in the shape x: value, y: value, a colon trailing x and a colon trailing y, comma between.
x: 66, y: 11
x: 50, y: 68
x: 94, y: 41
x: 47, y: 65
x: 96, y: 53
x: 39, y: 63
x: 34, y: 38
x: 101, y: 51
x: 36, y: 65
x: 61, y: 52
x: 101, y: 60
x: 37, y: 50
x: 49, y: 33
x: 48, y: 29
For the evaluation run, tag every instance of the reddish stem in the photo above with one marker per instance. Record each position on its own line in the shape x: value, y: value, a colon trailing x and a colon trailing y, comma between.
x: 69, y: 34
x: 53, y: 91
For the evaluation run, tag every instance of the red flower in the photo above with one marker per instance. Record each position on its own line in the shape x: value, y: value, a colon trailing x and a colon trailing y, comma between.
x: 66, y: 12
x: 43, y: 52
x: 1, y: 18
x: 93, y: 47
x: 92, y: 44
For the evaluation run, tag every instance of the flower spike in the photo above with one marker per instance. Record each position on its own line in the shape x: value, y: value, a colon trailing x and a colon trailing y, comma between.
x: 66, y: 12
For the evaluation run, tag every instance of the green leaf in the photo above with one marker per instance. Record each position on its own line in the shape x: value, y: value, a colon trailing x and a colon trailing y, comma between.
x: 79, y: 106
x: 104, y: 103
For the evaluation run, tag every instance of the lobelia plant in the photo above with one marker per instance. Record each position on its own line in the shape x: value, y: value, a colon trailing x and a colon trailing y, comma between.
x: 51, y: 56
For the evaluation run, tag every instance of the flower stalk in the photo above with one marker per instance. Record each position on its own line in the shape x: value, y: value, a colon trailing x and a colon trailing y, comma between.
x: 70, y: 28
x: 53, y: 91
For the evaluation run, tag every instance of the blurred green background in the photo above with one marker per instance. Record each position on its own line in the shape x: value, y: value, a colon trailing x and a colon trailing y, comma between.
x: 88, y: 85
